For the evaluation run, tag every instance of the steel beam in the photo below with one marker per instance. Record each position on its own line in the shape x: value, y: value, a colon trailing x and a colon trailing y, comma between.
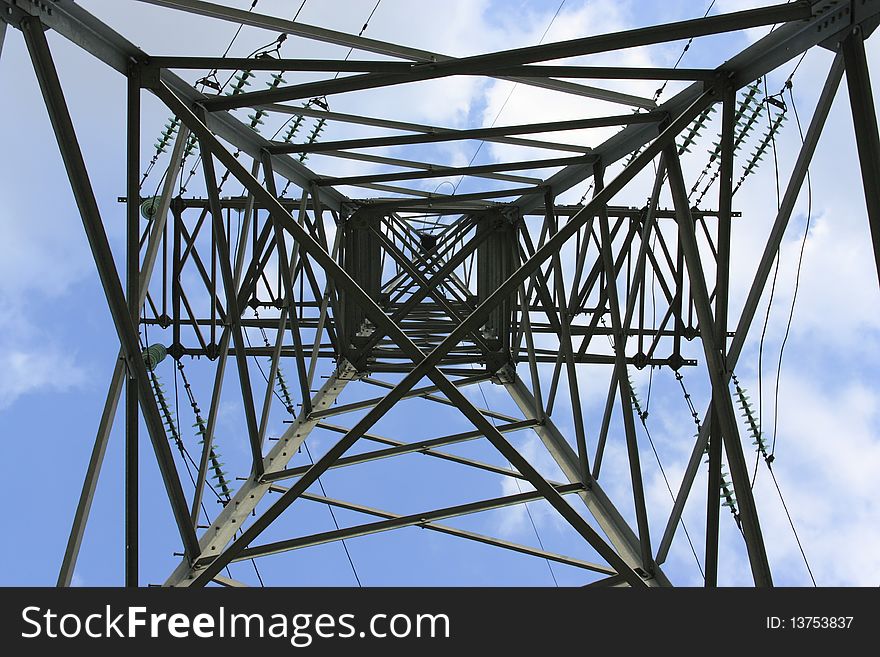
x: 722, y: 280
x: 861, y: 100
x: 408, y: 126
x: 220, y: 372
x: 379, y: 66
x: 373, y: 45
x: 622, y: 375
x: 411, y: 520
x: 73, y: 22
x: 781, y: 45
x: 132, y: 280
x: 233, y: 516
x: 434, y: 171
x: 473, y: 133
x: 597, y: 502
x: 397, y: 448
x: 233, y: 313
x: 287, y: 279
x: 566, y: 350
x: 487, y: 63
x: 458, y: 533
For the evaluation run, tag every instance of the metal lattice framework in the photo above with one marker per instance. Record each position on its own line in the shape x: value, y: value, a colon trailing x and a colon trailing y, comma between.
x: 420, y: 295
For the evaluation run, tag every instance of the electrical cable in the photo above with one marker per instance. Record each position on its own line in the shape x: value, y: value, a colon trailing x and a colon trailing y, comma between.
x: 791, y: 522
x: 506, y: 100
x: 524, y: 504
x: 671, y: 494
x: 643, y: 416
x: 309, y: 454
x: 772, y: 293
x: 797, y: 278
x: 687, y: 46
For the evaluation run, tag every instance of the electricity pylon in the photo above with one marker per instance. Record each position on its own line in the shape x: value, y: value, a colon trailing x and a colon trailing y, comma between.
x: 366, y: 303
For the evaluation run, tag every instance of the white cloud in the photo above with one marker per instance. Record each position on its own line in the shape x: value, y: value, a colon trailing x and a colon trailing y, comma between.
x: 22, y: 372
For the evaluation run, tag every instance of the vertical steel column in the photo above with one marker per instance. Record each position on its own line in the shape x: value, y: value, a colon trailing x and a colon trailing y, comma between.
x: 644, y: 238
x: 718, y: 375
x: 71, y: 154
x: 213, y: 410
x: 284, y: 266
x: 132, y: 280
x: 722, y: 280
x: 861, y: 101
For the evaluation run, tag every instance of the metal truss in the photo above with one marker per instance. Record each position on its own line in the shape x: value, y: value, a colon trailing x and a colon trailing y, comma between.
x: 418, y: 295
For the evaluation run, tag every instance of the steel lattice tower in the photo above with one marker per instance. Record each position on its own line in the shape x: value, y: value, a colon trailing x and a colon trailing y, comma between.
x: 395, y: 294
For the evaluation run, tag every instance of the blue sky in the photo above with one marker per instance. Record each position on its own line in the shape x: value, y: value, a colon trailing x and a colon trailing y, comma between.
x: 57, y: 343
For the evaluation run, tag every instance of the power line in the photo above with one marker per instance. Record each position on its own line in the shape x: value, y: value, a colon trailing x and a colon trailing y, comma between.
x: 777, y: 259
x: 791, y: 522
x: 643, y: 416
x: 308, y: 453
x: 506, y: 100
x: 687, y: 47
x: 797, y: 278
x: 525, y: 504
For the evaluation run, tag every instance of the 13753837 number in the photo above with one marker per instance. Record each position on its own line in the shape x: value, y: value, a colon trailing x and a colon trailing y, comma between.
x: 820, y: 622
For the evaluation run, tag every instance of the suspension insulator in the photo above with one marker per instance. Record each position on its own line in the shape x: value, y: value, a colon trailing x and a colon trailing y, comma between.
x: 150, y: 207
x: 154, y: 354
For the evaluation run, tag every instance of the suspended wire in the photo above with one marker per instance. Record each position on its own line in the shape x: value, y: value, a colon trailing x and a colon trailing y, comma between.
x: 333, y: 515
x: 643, y: 417
x: 207, y: 80
x: 669, y: 488
x: 725, y: 487
x: 322, y: 101
x: 345, y: 59
x: 296, y: 15
x: 772, y: 295
x: 656, y: 98
x: 361, y: 33
x: 524, y: 504
x: 506, y: 100
x: 687, y: 46
x: 797, y: 277
x: 211, y: 81
x: 188, y: 459
x: 791, y: 522
x: 771, y: 456
x: 308, y: 453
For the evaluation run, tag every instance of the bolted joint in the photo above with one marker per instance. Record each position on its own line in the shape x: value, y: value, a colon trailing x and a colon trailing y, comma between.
x: 148, y: 75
